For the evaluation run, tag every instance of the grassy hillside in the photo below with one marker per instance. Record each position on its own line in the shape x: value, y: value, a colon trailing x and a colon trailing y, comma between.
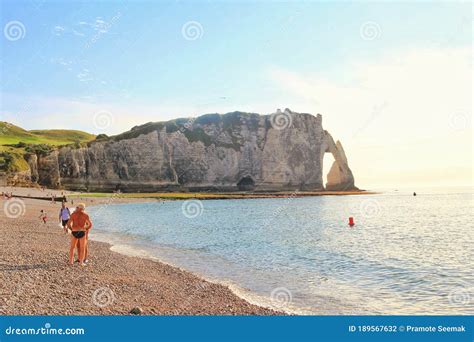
x: 11, y: 134
x: 11, y: 157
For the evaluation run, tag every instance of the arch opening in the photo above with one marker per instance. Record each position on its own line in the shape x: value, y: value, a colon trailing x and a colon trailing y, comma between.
x: 328, y: 160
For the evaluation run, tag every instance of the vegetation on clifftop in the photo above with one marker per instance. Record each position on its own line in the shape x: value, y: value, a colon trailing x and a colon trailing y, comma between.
x: 12, y: 160
x: 16, y: 143
x: 11, y: 134
x: 191, y: 130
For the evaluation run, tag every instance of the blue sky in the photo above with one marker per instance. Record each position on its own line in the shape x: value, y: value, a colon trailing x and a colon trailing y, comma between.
x: 359, y: 64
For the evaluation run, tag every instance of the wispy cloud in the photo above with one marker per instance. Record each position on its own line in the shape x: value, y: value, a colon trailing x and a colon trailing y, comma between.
x: 85, y: 76
x: 58, y: 30
x: 77, y: 33
x: 98, y: 25
x: 85, y: 28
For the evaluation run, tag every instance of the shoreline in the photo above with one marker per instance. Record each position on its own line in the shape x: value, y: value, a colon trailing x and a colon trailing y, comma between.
x: 220, y: 195
x: 130, y: 250
x: 171, y: 196
x: 36, y: 280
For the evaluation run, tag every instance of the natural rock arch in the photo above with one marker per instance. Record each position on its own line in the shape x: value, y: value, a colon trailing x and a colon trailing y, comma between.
x: 244, y: 151
x: 340, y: 177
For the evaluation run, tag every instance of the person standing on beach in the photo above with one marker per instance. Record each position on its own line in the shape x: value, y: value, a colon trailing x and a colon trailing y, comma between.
x: 86, y: 248
x: 64, y: 215
x: 43, y: 216
x: 79, y: 223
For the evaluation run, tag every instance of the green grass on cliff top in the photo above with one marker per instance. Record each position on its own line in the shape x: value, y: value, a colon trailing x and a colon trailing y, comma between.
x: 11, y: 134
x: 11, y: 158
x: 17, y: 163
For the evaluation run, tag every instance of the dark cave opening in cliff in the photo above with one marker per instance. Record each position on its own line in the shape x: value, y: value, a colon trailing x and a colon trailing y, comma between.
x: 246, y: 184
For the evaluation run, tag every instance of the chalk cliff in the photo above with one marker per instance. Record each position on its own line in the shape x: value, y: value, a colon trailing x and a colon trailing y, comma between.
x: 234, y: 151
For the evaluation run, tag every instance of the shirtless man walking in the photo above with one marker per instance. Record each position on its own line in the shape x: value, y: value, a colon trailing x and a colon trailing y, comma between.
x: 79, y: 223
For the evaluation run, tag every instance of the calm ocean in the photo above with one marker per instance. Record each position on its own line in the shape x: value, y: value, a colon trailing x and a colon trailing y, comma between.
x: 405, y: 255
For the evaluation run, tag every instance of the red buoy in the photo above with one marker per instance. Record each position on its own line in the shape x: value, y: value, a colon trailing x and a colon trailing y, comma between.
x: 351, y: 221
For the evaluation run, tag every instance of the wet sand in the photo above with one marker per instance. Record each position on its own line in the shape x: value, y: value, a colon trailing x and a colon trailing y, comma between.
x: 36, y: 280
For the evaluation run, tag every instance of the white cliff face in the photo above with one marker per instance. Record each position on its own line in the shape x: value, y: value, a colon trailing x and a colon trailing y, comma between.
x: 235, y: 151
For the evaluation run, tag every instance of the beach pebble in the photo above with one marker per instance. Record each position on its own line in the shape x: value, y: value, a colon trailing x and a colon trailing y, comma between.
x: 136, y: 311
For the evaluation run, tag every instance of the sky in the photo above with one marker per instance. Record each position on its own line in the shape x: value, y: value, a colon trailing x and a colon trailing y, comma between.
x: 393, y: 80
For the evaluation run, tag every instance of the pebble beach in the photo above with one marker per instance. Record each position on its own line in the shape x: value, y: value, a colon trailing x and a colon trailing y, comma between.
x: 35, y: 278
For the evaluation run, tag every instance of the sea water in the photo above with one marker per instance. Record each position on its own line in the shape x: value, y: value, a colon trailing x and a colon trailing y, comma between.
x: 405, y: 255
